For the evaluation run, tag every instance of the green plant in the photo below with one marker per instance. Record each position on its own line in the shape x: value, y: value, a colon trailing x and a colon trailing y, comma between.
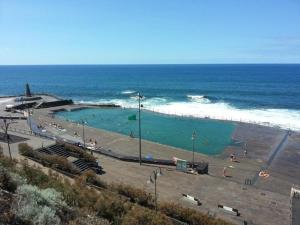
x: 38, y: 206
x: 89, y: 220
x: 55, y: 161
x: 26, y: 150
x: 190, y: 216
x: 82, y: 153
x: 111, y: 207
x: 143, y: 216
x: 6, y: 181
x: 136, y: 195
x: 92, y: 178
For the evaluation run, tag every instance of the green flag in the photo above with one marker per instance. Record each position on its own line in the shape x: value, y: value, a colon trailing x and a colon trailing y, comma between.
x: 132, y: 117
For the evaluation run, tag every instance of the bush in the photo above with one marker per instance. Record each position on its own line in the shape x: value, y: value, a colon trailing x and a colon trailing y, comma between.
x: 6, y: 182
x: 38, y: 206
x: 55, y: 161
x: 7, y: 163
x: 111, y: 207
x: 34, y: 176
x: 134, y: 194
x: 77, y: 150
x: 89, y: 220
x: 190, y: 216
x: 143, y: 216
x: 92, y: 178
x: 58, y: 162
x: 26, y: 150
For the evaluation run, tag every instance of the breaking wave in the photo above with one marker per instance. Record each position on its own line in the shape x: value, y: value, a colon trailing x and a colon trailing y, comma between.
x: 198, y: 98
x: 128, y: 92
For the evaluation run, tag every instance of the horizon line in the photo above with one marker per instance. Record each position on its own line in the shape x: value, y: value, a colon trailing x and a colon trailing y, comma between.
x: 137, y: 64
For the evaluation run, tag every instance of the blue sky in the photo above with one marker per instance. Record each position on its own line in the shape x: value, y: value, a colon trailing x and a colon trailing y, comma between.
x: 156, y: 31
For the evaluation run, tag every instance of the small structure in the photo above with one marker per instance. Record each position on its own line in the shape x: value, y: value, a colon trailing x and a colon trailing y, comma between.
x: 181, y: 165
x: 295, y: 205
x: 27, y: 90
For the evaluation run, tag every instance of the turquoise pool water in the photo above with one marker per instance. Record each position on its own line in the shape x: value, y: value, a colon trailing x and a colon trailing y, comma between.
x: 212, y: 136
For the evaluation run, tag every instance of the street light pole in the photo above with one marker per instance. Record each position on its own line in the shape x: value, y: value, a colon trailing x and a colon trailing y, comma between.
x: 83, y: 134
x: 29, y: 119
x: 140, y: 132
x: 155, y: 178
x: 156, y: 173
x: 193, y: 138
x: 5, y: 128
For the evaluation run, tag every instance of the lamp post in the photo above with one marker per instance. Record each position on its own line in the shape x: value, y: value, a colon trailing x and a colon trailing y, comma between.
x: 193, y: 138
x: 155, y: 173
x: 140, y: 132
x: 29, y: 118
x: 83, y: 133
x: 5, y: 129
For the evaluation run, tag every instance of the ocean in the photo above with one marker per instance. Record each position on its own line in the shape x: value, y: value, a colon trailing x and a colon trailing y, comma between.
x: 265, y: 94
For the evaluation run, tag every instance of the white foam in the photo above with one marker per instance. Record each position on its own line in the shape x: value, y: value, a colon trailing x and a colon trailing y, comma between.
x: 6, y: 100
x: 283, y: 118
x: 198, y: 98
x: 128, y: 92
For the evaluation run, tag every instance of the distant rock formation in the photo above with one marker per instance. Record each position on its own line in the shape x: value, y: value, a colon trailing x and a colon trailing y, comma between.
x: 27, y: 91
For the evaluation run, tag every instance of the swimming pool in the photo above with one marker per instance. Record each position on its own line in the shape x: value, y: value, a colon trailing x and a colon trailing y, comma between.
x: 212, y: 136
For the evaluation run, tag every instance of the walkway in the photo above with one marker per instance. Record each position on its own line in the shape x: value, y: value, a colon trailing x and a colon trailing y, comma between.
x: 280, y: 147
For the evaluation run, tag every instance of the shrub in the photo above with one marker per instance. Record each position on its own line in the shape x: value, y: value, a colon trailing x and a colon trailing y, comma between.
x: 6, y: 215
x: 6, y: 181
x: 55, y: 161
x: 190, y: 216
x: 77, y: 150
x: 38, y: 206
x: 111, y: 207
x: 34, y: 176
x: 136, y: 195
x: 92, y: 178
x: 89, y: 220
x: 26, y: 150
x: 58, y: 162
x: 7, y: 163
x: 143, y: 216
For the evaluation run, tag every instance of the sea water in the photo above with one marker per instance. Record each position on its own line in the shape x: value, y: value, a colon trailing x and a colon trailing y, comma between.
x: 211, y: 136
x: 265, y: 94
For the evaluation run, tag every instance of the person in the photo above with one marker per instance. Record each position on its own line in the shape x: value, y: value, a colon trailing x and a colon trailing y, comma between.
x: 225, y: 171
x: 131, y: 134
x: 232, y: 157
x: 245, y: 153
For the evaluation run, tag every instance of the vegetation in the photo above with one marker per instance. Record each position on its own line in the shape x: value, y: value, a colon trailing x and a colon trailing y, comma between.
x: 48, y: 160
x: 79, y: 151
x: 40, y: 198
x: 135, y: 195
x: 140, y: 216
x: 189, y: 216
x: 25, y: 149
x: 6, y: 182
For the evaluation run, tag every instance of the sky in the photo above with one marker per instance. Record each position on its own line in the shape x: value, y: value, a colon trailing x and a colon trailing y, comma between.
x: 149, y: 32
